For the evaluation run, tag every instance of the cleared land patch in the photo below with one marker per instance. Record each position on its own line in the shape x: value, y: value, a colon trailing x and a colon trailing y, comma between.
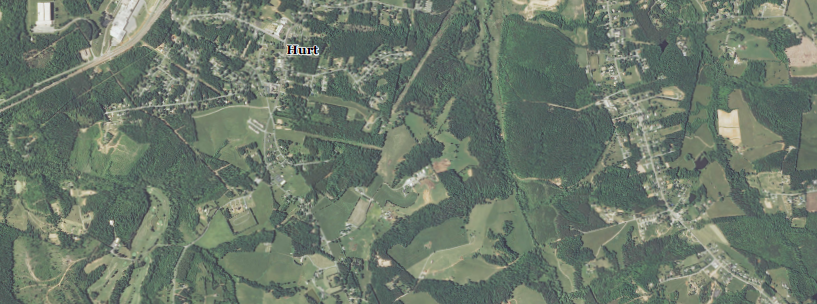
x: 807, y: 154
x: 398, y: 142
x: 756, y: 140
x: 803, y: 54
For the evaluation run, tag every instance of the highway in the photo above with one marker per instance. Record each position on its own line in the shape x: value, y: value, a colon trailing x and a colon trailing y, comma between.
x: 131, y: 42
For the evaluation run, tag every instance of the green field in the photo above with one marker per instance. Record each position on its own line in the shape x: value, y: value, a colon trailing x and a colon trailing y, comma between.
x: 714, y: 178
x: 799, y: 222
x: 520, y: 239
x: 777, y: 73
x: 418, y: 126
x: 456, y: 151
x: 780, y: 276
x: 524, y: 294
x: 754, y: 135
x: 153, y: 224
x: 447, y: 235
x: 807, y: 154
x: 799, y: 11
x: 735, y: 70
x: 218, y: 232
x: 596, y: 239
x: 398, y: 142
x: 418, y: 298
x: 221, y: 131
x: 387, y: 195
x: 458, y: 264
x: 277, y: 265
x: 332, y: 215
x: 103, y: 154
x: 752, y: 47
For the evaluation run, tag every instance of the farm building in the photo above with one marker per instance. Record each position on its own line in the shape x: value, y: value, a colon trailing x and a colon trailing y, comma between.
x: 45, y: 13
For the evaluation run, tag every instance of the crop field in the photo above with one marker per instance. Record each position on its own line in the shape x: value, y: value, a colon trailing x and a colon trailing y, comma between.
x: 524, y: 294
x: 807, y: 154
x: 219, y: 232
x: 776, y: 74
x: 447, y: 235
x: 456, y: 151
x: 221, y: 131
x: 332, y: 215
x: 398, y: 142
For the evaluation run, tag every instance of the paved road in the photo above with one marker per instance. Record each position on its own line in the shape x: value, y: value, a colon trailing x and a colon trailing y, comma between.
x: 133, y: 41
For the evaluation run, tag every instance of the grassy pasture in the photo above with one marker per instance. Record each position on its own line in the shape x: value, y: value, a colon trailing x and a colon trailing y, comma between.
x: 735, y: 70
x: 799, y: 222
x: 616, y: 244
x: 780, y: 276
x: 228, y: 125
x: 458, y: 264
x: 418, y: 298
x: 447, y: 235
x: 799, y: 11
x: 332, y: 215
x: 753, y: 47
x: 219, y: 232
x: 358, y: 242
x: 337, y: 101
x: 263, y: 200
x: 248, y: 295
x: 386, y: 194
x: 524, y: 294
x: 752, y: 133
x: 810, y: 71
x: 115, y: 157
x: 724, y: 208
x: 777, y: 73
x: 261, y: 266
x: 714, y: 178
x: 596, y: 239
x: 768, y: 23
x: 418, y: 126
x: 153, y: 224
x: 714, y: 42
x: 398, y: 142
x: 711, y: 234
x: 807, y: 154
x: 702, y: 94
x: 542, y: 223
x: 457, y: 152
x: 520, y: 239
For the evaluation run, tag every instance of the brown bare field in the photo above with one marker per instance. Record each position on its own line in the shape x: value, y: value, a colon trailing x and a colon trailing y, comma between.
x: 442, y: 165
x: 811, y: 202
x: 729, y: 126
x: 804, y: 54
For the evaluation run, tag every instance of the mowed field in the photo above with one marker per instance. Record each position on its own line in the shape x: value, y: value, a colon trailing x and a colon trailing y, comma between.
x: 450, y: 233
x: 102, y: 153
x: 458, y: 264
x: 398, y: 142
x: 753, y: 47
x: 332, y: 215
x: 277, y: 265
x: 807, y: 154
x: 758, y: 140
x: 777, y: 73
x: 222, y: 130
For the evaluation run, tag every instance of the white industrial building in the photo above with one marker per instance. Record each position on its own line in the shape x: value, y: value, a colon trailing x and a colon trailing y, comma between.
x: 45, y: 13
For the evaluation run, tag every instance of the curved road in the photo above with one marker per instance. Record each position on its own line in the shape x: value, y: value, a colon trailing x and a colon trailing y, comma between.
x: 133, y: 41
